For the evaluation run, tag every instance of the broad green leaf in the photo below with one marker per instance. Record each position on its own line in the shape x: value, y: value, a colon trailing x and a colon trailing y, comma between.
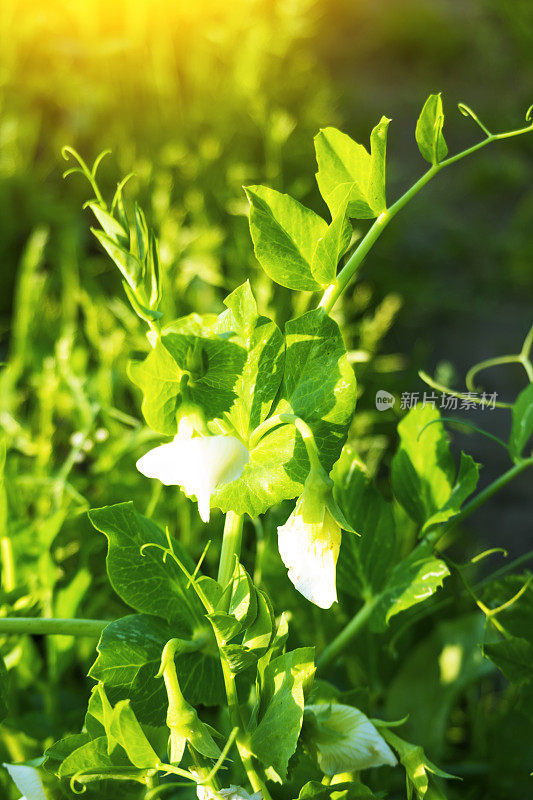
x: 432, y: 676
x: 129, y: 657
x: 465, y: 484
x: 187, y: 353
x: 349, y: 175
x: 93, y: 757
x: 262, y: 341
x: 513, y: 656
x: 319, y: 383
x: 412, y: 581
x: 522, y: 427
x: 331, y: 247
x: 285, y: 235
x: 428, y: 134
x: 422, y: 469
x: 4, y: 689
x: 238, y: 657
x: 144, y: 580
x: 318, y: 386
x: 418, y: 767
x: 129, y: 734
x: 365, y: 561
x: 275, y: 472
x: 56, y: 753
x: 315, y: 790
x: 285, y: 681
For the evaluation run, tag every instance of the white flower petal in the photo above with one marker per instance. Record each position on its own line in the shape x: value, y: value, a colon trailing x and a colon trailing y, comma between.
x: 359, y: 745
x: 27, y: 780
x: 310, y: 551
x: 199, y: 465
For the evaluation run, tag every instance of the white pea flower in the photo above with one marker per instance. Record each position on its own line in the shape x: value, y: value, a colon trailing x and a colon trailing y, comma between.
x: 198, y: 464
x: 28, y: 780
x: 346, y: 740
x: 310, y: 541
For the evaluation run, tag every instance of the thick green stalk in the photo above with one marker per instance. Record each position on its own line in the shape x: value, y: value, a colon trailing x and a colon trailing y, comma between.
x: 258, y: 785
x: 358, y: 622
x: 231, y: 547
x: 58, y: 627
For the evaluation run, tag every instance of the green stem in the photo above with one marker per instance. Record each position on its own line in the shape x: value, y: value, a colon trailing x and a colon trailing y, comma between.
x: 333, y: 292
x: 357, y: 623
x: 348, y: 633
x: 59, y: 627
x: 231, y: 547
x: 258, y: 785
x: 434, y: 536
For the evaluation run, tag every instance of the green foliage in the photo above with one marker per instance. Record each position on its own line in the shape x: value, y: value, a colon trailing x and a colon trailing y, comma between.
x: 522, y: 427
x: 207, y: 659
x: 423, y: 472
x: 429, y: 137
x: 349, y: 176
x: 284, y: 683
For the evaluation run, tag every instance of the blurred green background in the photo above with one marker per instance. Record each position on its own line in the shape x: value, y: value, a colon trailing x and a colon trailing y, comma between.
x: 197, y: 99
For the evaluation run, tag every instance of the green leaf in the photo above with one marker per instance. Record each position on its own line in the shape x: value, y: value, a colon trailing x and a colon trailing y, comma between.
x: 522, y: 427
x: 349, y: 175
x: 465, y: 484
x: 285, y: 681
x: 4, y: 689
x: 418, y: 767
x: 513, y: 656
x: 265, y: 479
x: 259, y: 634
x: 422, y: 469
x: 353, y: 790
x: 285, y: 235
x: 261, y: 375
x: 129, y: 657
x: 331, y: 247
x: 412, y: 581
x: 145, y: 580
x: 428, y: 132
x: 318, y: 386
x: 92, y: 757
x: 112, y: 228
x: 319, y: 383
x: 128, y: 264
x: 188, y: 352
x: 129, y: 734
x: 432, y: 677
x: 238, y: 657
x: 365, y: 561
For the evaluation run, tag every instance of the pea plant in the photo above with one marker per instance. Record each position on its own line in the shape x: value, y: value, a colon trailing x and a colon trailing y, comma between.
x: 234, y: 686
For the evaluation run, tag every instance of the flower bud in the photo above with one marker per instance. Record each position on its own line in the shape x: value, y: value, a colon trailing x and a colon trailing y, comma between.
x: 310, y: 540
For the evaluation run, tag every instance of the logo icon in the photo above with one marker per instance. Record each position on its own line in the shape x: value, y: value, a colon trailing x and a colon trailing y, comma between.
x: 384, y: 400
